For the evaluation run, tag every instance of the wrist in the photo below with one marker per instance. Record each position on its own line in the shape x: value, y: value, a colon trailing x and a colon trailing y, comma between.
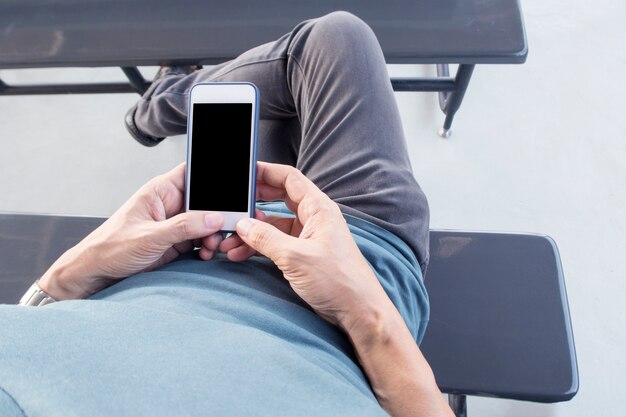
x: 368, y: 316
x: 372, y: 326
x: 68, y: 278
x: 397, y: 371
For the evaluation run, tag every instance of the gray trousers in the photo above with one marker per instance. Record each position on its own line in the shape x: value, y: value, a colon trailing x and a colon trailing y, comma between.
x: 327, y: 108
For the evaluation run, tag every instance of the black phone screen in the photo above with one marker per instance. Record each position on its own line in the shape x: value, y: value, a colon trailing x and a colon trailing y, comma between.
x: 220, y: 157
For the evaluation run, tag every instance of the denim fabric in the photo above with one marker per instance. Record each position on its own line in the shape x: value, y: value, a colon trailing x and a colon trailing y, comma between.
x: 199, y: 338
x: 327, y: 108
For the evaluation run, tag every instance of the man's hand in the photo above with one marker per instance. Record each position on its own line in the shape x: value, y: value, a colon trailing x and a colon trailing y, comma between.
x: 149, y: 230
x: 315, y: 251
x: 318, y: 256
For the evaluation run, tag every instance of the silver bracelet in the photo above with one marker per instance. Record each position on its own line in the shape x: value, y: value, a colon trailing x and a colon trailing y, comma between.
x: 36, y: 297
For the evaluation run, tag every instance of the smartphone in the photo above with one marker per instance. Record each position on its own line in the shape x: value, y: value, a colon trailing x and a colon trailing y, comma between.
x: 221, y: 150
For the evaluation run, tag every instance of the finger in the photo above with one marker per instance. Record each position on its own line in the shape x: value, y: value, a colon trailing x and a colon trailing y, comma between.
x: 188, y: 226
x: 298, y: 188
x: 266, y: 192
x: 230, y: 243
x: 177, y: 176
x: 284, y: 224
x: 212, y: 242
x: 240, y: 253
x: 184, y: 247
x: 236, y: 249
x: 173, y: 253
x: 296, y: 228
x: 287, y: 178
x: 258, y: 214
x: 170, y: 189
x: 233, y: 240
x: 265, y: 238
x: 206, y: 254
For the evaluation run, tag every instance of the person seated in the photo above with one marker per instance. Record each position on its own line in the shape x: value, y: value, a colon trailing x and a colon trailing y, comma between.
x: 315, y: 307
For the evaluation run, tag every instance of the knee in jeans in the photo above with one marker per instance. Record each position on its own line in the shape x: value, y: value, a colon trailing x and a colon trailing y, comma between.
x: 342, y: 30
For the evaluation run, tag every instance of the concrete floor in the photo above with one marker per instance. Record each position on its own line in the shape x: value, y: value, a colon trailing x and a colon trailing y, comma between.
x: 538, y: 148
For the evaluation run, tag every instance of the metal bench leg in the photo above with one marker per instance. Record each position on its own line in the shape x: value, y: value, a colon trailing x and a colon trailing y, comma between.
x: 451, y: 101
x: 443, y: 72
x: 458, y: 403
x: 139, y: 84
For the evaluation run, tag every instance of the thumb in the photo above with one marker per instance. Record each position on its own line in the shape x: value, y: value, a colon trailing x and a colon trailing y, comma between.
x: 264, y: 238
x: 189, y: 225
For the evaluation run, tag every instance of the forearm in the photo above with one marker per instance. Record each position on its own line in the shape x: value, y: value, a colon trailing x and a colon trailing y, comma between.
x: 68, y: 277
x: 398, y: 372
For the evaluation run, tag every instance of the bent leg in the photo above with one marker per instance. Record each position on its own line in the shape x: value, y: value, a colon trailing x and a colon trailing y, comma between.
x: 353, y: 144
x: 330, y: 73
x: 163, y: 109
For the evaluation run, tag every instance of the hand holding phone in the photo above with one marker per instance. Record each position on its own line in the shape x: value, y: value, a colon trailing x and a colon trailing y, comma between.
x: 221, y: 150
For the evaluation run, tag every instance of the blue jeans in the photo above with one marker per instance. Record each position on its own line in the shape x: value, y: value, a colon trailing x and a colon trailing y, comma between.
x: 327, y: 108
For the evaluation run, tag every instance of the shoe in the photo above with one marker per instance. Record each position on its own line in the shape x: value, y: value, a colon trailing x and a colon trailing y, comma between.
x: 138, y: 135
x: 129, y: 119
x: 176, y: 70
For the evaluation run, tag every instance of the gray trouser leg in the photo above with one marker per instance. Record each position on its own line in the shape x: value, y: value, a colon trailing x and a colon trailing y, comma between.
x: 328, y: 108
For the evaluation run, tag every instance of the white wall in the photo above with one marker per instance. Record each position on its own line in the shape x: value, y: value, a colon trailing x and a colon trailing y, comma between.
x: 538, y: 147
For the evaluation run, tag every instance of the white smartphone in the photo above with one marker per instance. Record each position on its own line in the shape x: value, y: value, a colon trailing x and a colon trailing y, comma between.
x: 221, y: 150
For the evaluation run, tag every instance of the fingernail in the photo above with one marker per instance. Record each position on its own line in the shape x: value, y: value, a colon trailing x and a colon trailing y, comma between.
x: 243, y: 227
x: 216, y: 239
x: 213, y: 220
